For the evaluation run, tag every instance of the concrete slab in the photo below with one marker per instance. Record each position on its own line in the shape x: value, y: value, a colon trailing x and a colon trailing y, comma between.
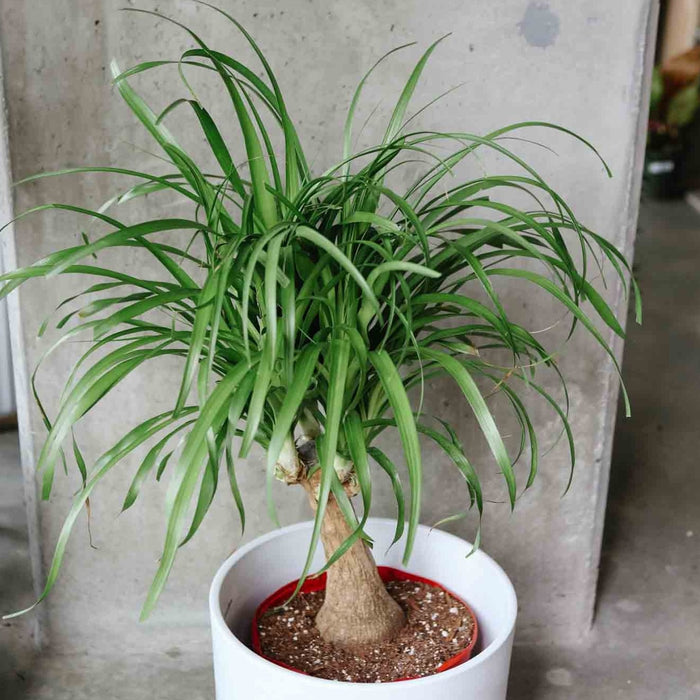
x: 17, y: 643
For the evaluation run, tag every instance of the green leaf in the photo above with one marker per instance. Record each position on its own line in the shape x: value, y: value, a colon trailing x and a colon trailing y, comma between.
x: 483, y: 416
x: 355, y: 439
x: 347, y: 132
x: 403, y: 415
x: 200, y: 328
x: 455, y: 452
x: 388, y: 466
x: 400, y: 109
x: 147, y: 466
x: 289, y: 411
x: 104, y: 464
x: 683, y: 105
x: 337, y: 358
x: 334, y: 252
x: 575, y: 310
x: 211, y: 416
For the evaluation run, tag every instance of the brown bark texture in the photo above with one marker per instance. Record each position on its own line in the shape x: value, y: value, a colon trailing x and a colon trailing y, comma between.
x: 357, y: 610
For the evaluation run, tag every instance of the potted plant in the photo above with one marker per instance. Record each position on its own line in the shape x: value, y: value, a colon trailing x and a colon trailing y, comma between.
x: 310, y: 313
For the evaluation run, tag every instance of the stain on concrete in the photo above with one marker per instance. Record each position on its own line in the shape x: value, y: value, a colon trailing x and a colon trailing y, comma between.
x: 628, y: 606
x: 560, y: 677
x: 539, y: 25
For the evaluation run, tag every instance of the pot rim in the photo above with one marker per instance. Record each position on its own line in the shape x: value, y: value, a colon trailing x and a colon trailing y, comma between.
x: 217, y: 617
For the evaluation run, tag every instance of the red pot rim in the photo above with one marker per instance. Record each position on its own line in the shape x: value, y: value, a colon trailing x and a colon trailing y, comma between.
x: 318, y: 583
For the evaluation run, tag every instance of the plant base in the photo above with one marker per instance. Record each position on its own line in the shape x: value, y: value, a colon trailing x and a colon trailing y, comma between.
x: 440, y: 633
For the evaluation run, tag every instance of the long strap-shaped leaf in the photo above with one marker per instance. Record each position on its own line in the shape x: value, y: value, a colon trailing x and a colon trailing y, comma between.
x: 388, y: 466
x: 334, y: 252
x: 400, y: 110
x: 337, y: 357
x: 483, y: 416
x: 575, y: 310
x: 148, y: 464
x: 211, y: 416
x: 200, y: 329
x: 291, y: 404
x: 258, y: 171
x: 104, y: 464
x: 92, y: 387
x: 294, y: 157
x: 123, y: 235
x: 456, y: 454
x: 405, y: 422
x: 347, y: 131
x: 235, y: 411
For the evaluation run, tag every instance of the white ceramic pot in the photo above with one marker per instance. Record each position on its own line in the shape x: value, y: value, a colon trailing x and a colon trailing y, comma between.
x: 261, y: 567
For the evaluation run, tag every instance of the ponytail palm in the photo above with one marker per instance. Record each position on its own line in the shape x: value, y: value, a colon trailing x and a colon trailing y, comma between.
x: 308, y: 306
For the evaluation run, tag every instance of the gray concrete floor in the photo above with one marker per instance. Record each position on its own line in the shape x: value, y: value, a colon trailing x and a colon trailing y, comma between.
x: 16, y: 590
x: 645, y: 643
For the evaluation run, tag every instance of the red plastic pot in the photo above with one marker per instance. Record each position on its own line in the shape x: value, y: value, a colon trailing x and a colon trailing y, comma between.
x: 387, y: 574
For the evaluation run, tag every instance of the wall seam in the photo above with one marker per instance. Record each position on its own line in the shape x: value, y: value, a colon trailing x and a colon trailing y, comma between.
x: 21, y: 379
x: 603, y: 455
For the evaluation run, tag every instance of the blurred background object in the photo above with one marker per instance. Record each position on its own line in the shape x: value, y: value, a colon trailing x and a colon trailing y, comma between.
x: 672, y: 165
x: 679, y: 21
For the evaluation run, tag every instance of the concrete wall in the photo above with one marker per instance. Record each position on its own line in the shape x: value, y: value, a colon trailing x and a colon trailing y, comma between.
x: 7, y: 393
x: 579, y: 64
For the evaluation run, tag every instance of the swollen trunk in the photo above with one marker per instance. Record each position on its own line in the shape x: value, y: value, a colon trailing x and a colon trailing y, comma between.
x: 357, y: 609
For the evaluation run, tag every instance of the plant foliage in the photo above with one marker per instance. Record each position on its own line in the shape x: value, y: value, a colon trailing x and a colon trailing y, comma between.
x: 323, y: 298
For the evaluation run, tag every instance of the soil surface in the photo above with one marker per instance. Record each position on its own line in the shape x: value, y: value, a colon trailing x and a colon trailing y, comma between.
x: 438, y: 627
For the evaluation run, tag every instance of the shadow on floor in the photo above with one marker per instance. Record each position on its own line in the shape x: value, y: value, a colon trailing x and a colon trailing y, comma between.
x: 16, y: 589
